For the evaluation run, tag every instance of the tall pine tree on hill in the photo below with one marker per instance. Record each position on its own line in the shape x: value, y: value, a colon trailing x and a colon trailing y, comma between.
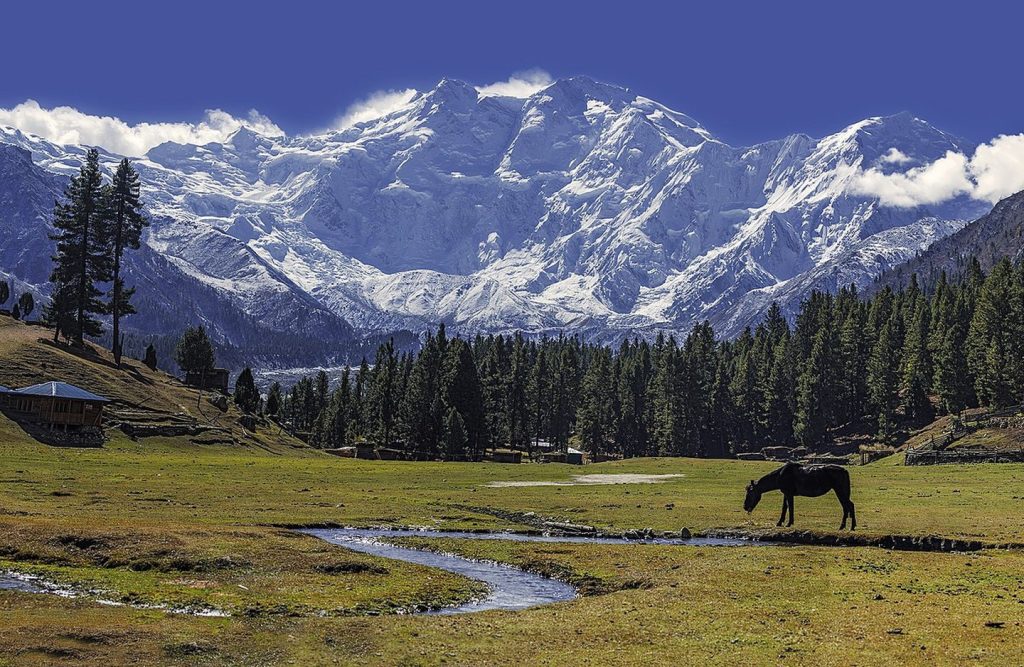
x: 83, y: 257
x: 126, y: 223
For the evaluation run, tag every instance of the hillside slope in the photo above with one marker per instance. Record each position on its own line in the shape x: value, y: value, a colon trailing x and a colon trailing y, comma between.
x: 140, y: 397
x: 991, y: 237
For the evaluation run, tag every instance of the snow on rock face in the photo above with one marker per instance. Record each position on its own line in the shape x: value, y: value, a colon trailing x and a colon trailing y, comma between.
x: 582, y: 206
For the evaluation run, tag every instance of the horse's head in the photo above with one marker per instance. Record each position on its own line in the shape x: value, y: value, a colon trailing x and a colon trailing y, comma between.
x: 753, y: 497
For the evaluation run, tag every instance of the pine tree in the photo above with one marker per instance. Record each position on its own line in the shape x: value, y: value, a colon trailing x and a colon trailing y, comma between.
x: 540, y: 393
x: 595, y: 418
x: 420, y: 418
x: 150, y: 357
x: 27, y: 303
x: 82, y: 239
x: 811, y: 427
x: 194, y: 354
x: 778, y: 395
x: 273, y: 406
x: 916, y: 372
x: 746, y: 386
x: 700, y: 362
x: 517, y: 402
x: 951, y: 380
x: 994, y: 336
x: 60, y: 312
x: 126, y: 222
x: 494, y: 376
x: 854, y: 349
x: 460, y: 387
x: 634, y: 376
x: 717, y: 441
x: 455, y: 438
x: 883, y: 382
x: 247, y: 396
x: 665, y: 395
x: 340, y: 411
x: 383, y: 394
x: 564, y: 389
x: 359, y: 396
x: 321, y: 388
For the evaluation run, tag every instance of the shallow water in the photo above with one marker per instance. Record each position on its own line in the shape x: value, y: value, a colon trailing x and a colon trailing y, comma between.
x: 12, y: 583
x: 510, y: 587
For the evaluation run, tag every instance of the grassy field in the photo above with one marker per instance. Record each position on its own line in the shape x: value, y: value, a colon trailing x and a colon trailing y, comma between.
x: 159, y: 523
x: 163, y: 521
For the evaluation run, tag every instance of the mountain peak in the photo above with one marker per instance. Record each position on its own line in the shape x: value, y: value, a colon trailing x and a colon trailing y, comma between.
x: 917, y: 140
x: 452, y: 89
x: 584, y: 87
x: 246, y: 139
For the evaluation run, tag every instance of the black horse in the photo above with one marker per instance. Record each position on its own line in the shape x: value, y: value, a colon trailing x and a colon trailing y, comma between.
x: 795, y: 479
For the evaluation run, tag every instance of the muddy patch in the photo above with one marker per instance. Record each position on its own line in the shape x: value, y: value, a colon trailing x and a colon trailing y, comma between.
x: 588, y: 480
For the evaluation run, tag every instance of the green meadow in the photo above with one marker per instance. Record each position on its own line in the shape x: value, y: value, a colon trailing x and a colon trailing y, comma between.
x: 157, y: 522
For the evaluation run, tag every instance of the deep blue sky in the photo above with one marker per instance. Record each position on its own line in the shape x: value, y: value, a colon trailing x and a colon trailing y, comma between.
x: 748, y: 71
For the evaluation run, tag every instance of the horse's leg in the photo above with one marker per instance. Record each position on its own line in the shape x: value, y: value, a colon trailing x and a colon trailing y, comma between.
x: 844, y: 500
x: 790, y: 511
x: 785, y: 501
x: 853, y: 516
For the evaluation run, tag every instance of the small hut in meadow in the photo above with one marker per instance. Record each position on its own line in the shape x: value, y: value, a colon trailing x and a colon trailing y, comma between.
x: 506, y: 455
x: 56, y: 404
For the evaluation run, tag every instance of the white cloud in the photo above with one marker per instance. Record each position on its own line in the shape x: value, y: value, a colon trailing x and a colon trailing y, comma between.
x: 996, y: 170
x: 941, y: 180
x: 895, y: 156
x: 67, y: 125
x: 376, y: 105
x: 998, y: 167
x: 520, y: 84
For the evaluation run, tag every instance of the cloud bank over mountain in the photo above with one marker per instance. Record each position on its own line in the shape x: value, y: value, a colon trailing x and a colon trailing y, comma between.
x: 67, y: 125
x: 994, y: 171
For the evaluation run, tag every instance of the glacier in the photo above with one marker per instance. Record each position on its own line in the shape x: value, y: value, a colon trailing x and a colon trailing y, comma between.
x: 582, y: 208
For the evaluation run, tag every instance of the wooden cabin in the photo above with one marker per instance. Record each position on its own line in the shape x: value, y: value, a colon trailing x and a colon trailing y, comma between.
x: 214, y: 379
x: 506, y: 456
x: 56, y: 404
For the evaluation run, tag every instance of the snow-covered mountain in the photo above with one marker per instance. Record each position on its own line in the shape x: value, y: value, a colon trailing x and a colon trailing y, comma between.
x: 582, y: 207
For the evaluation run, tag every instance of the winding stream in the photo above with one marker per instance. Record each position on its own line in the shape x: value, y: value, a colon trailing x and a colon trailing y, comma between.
x: 510, y: 587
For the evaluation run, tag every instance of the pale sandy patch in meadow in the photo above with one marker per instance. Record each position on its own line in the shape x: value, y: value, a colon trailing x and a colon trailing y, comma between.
x: 584, y: 480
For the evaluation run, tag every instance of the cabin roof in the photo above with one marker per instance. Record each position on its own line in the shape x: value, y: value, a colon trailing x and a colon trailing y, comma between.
x: 60, y: 390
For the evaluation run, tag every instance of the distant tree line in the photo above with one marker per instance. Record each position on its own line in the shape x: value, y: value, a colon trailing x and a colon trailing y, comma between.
x: 93, y: 227
x: 875, y: 365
